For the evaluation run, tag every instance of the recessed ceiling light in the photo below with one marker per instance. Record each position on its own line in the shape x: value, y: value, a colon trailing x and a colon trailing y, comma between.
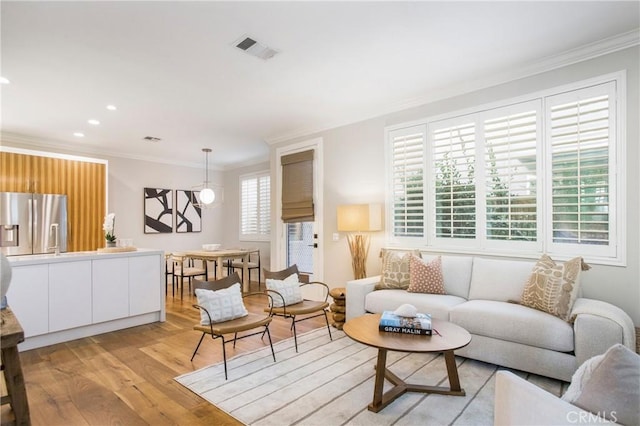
x: 93, y: 121
x: 111, y: 107
x: 4, y: 80
x: 79, y: 134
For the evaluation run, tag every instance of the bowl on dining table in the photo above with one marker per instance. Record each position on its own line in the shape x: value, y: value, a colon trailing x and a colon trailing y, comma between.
x: 210, y: 247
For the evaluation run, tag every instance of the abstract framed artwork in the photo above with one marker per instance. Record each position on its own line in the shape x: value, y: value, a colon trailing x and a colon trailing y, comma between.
x: 158, y: 211
x: 188, y: 213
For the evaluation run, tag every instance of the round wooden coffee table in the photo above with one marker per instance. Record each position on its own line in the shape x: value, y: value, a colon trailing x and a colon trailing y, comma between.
x: 446, y: 338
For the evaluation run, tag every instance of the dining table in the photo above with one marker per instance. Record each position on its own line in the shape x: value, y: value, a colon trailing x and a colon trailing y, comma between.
x: 219, y: 256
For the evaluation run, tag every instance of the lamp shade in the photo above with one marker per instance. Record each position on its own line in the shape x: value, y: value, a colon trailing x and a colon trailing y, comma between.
x: 207, y: 196
x: 360, y: 217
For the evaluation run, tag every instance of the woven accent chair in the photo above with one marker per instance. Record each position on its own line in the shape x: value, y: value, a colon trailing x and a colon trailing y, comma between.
x: 301, y: 311
x: 235, y: 326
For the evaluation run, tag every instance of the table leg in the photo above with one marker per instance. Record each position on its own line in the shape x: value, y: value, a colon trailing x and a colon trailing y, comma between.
x: 452, y: 370
x: 245, y: 273
x: 15, y: 385
x: 381, y: 367
x: 220, y: 267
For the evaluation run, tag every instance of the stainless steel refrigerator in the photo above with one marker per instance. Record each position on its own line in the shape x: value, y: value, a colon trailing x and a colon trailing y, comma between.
x: 32, y: 223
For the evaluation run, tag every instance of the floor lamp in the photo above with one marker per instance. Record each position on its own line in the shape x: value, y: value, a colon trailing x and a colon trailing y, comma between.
x: 358, y: 220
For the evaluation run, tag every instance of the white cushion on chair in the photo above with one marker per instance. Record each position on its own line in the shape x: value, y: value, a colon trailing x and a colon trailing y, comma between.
x: 289, y: 288
x: 222, y: 305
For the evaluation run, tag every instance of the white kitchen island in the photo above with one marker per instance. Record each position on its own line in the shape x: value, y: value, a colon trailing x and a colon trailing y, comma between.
x: 80, y: 294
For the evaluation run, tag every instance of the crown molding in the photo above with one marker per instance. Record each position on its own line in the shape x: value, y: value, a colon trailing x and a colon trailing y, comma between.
x: 30, y: 142
x: 569, y: 57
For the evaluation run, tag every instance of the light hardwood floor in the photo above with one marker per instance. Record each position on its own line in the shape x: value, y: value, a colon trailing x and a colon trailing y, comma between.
x: 126, y: 377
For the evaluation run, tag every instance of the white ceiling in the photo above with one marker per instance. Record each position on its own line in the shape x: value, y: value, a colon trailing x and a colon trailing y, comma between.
x: 172, y: 70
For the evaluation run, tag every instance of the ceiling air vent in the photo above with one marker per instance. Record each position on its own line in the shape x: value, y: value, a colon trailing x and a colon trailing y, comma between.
x: 151, y: 139
x: 254, y: 48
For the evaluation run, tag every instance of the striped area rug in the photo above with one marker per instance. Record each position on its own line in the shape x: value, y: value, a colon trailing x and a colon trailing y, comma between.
x: 331, y: 383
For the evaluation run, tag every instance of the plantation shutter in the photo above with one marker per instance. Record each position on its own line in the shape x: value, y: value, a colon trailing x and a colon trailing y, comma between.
x: 255, y: 221
x: 264, y: 205
x: 510, y: 176
x: 297, y: 187
x: 407, y: 181
x: 453, y: 163
x: 581, y: 124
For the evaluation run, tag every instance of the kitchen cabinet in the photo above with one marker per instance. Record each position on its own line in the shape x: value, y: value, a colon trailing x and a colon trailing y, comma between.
x: 110, y: 285
x: 28, y: 297
x: 74, y: 295
x: 69, y: 295
x: 146, y: 295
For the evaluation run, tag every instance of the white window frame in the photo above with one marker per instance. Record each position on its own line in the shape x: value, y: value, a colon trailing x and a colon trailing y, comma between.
x: 260, y: 209
x: 614, y: 254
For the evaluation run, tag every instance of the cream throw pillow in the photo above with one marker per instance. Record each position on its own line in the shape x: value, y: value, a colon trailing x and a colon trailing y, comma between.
x: 289, y: 288
x: 609, y: 385
x: 222, y: 305
x: 395, y: 270
x: 426, y: 277
x: 552, y: 287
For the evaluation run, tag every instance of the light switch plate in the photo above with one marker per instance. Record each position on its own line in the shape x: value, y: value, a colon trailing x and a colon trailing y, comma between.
x: 336, y: 236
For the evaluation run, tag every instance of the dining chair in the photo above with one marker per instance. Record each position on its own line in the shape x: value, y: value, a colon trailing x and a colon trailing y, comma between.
x: 301, y: 311
x: 185, y: 267
x: 252, y: 263
x: 168, y: 272
x: 249, y: 322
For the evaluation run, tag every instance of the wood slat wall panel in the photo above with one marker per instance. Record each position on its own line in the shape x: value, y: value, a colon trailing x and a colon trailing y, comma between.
x: 15, y: 172
x: 84, y: 183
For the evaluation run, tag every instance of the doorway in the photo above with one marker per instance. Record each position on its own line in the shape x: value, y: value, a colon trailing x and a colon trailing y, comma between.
x: 301, y: 243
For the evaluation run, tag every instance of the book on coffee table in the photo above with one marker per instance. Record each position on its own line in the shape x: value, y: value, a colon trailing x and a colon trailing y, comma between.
x: 392, y: 323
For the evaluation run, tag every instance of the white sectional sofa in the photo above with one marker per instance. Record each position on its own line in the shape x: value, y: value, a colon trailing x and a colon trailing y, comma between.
x: 480, y: 295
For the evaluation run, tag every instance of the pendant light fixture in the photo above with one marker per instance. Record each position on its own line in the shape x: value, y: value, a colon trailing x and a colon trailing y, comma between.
x: 207, y: 195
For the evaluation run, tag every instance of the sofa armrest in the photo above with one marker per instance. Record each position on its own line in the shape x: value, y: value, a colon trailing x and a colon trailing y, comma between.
x: 519, y: 402
x: 357, y: 290
x: 609, y: 323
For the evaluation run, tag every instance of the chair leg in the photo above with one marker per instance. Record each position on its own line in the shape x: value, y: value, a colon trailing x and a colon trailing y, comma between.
x: 295, y: 335
x: 327, y: 321
x: 235, y: 338
x: 270, y: 344
x: 197, y: 347
x: 224, y: 357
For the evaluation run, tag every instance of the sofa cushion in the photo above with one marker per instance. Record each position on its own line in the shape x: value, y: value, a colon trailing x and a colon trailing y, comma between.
x: 438, y: 305
x: 552, y: 287
x: 395, y: 270
x: 609, y: 385
x: 456, y: 271
x: 425, y: 277
x: 501, y: 280
x: 514, y: 323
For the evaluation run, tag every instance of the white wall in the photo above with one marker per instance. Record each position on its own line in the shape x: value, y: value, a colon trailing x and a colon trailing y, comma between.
x: 355, y: 168
x: 127, y: 180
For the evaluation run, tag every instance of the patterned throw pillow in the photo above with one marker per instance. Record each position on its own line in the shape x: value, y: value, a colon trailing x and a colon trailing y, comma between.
x: 552, y: 287
x: 395, y: 270
x: 426, y: 277
x: 222, y: 305
x: 289, y: 288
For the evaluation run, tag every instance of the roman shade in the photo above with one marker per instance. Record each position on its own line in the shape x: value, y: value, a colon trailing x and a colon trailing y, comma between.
x: 297, y: 187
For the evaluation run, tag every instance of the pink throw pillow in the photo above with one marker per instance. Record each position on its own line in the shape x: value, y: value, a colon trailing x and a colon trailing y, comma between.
x: 426, y: 277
